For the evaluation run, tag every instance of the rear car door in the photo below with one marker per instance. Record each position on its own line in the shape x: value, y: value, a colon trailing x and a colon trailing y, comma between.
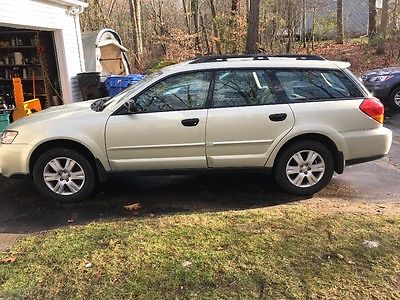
x: 245, y: 120
x: 168, y: 129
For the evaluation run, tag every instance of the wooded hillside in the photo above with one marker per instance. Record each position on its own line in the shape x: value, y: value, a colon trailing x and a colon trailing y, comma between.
x: 175, y: 30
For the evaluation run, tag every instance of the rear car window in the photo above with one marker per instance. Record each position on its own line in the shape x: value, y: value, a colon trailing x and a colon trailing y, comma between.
x: 242, y: 88
x: 317, y: 85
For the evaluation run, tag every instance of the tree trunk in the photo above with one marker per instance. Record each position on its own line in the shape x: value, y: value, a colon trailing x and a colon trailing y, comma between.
x: 215, y: 27
x: 134, y: 9
x: 187, y: 19
x: 234, y: 7
x: 372, y: 20
x: 304, y: 24
x: 314, y: 13
x: 339, y: 22
x: 205, y: 35
x: 394, y: 17
x: 385, y: 16
x: 194, y: 7
x: 138, y: 8
x: 289, y: 26
x: 253, y: 27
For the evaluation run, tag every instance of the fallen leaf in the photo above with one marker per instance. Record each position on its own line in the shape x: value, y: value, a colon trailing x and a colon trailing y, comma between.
x: 134, y: 206
x: 186, y: 264
x: 112, y: 242
x: 371, y: 244
x: 340, y: 256
x: 8, y: 260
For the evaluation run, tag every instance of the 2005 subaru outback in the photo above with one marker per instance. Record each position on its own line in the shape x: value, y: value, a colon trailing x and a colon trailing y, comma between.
x: 301, y: 117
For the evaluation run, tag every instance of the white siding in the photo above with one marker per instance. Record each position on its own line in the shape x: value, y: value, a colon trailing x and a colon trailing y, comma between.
x: 40, y: 15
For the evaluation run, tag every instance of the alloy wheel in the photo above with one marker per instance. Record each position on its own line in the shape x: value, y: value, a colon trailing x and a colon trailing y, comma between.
x: 64, y: 176
x: 397, y: 99
x: 305, y: 168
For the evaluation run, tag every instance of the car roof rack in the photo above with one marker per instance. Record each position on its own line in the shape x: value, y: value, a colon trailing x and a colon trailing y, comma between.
x: 217, y: 58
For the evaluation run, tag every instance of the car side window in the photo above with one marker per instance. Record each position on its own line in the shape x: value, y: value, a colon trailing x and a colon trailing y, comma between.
x: 316, y: 85
x: 242, y: 88
x: 180, y: 92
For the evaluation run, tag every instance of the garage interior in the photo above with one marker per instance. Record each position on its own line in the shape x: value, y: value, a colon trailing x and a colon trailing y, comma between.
x: 31, y: 56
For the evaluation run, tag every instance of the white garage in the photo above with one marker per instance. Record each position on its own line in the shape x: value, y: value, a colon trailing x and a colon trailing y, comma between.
x: 40, y: 42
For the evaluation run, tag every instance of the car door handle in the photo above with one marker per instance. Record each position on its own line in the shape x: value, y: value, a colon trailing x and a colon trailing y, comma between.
x: 278, y: 117
x: 190, y: 122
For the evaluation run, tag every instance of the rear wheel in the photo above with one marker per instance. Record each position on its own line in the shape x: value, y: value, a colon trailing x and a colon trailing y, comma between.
x: 304, y: 168
x: 64, y: 175
x: 394, y: 98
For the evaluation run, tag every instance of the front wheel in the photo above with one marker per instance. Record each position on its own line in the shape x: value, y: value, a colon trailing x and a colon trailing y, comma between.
x: 304, y: 168
x: 394, y: 99
x: 64, y: 175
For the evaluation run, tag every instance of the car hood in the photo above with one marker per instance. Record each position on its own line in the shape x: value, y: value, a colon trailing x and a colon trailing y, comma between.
x: 383, y: 71
x: 56, y: 113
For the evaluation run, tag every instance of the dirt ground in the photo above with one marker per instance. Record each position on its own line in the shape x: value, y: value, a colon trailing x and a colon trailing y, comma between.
x: 365, y: 188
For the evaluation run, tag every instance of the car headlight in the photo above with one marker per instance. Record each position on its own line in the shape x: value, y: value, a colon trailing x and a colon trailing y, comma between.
x: 8, y: 136
x: 381, y: 78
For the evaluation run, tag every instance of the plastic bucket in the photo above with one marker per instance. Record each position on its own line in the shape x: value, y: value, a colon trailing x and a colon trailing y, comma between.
x: 4, y: 121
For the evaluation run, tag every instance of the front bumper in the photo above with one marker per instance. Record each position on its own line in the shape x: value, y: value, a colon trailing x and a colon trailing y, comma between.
x: 13, y: 159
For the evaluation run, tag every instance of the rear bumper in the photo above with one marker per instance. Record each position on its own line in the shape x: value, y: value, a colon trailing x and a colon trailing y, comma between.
x: 367, y: 145
x: 363, y: 160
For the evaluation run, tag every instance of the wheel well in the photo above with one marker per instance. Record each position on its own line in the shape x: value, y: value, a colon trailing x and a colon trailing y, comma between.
x: 393, y: 88
x: 66, y: 144
x: 337, y: 155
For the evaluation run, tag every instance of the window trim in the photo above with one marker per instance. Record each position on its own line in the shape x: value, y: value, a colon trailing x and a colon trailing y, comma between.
x: 276, y: 87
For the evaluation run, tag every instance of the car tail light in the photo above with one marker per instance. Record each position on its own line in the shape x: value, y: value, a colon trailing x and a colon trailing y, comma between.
x: 373, y: 108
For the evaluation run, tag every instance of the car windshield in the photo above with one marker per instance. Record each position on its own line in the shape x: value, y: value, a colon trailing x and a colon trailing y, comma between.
x: 104, y: 102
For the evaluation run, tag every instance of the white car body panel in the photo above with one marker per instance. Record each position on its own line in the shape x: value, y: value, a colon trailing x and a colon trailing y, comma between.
x: 242, y: 137
x: 151, y: 141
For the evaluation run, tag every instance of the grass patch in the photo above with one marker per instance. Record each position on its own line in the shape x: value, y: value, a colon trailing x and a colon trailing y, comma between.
x: 288, y: 252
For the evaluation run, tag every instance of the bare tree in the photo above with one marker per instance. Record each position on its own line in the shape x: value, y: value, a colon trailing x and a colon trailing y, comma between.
x: 234, y: 7
x: 372, y: 20
x: 339, y: 22
x: 215, y: 26
x: 253, y: 27
x: 135, y: 13
x: 194, y: 7
x: 289, y: 25
x: 304, y: 23
x: 187, y: 18
x: 384, y: 16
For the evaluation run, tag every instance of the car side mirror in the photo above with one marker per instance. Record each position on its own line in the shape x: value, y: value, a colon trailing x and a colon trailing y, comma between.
x: 131, y: 106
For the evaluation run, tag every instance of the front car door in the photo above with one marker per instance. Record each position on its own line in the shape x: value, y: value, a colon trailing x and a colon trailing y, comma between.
x: 245, y: 119
x: 168, y: 129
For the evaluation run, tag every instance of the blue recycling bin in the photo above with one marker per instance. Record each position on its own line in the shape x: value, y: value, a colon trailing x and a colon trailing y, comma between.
x: 116, y: 84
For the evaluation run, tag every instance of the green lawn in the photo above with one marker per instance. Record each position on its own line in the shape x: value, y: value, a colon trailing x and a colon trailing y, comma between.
x: 287, y: 252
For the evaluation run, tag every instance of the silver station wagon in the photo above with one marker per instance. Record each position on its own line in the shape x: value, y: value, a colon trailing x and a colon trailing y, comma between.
x: 300, y: 117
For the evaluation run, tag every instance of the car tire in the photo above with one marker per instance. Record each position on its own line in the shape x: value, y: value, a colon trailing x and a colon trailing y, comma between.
x: 64, y: 175
x: 304, y: 168
x: 394, y: 98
